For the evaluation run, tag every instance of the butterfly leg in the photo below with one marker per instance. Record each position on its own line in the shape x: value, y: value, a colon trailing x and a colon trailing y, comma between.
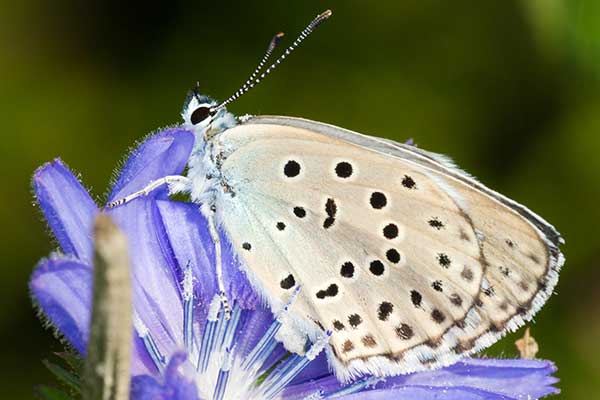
x: 212, y: 227
x: 176, y: 183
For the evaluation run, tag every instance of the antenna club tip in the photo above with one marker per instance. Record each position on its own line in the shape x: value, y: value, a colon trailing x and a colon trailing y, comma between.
x: 326, y: 14
x: 275, y: 41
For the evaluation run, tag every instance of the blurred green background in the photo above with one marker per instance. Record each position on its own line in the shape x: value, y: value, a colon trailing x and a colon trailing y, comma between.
x: 509, y: 89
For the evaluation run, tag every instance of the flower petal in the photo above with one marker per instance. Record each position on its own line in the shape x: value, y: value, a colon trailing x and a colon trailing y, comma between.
x: 512, y: 378
x: 164, y: 153
x: 68, y: 208
x: 469, y: 379
x: 179, y: 378
x: 177, y: 385
x: 146, y: 387
x: 427, y: 393
x: 62, y: 289
x: 318, y: 368
x: 252, y: 328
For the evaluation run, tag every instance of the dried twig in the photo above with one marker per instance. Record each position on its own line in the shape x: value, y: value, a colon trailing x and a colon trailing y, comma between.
x: 527, y: 346
x: 106, y: 371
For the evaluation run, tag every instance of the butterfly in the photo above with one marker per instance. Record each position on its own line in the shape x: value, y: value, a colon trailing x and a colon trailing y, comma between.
x: 407, y: 262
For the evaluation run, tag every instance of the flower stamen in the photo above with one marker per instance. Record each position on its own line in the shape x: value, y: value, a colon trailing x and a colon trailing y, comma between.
x: 149, y: 343
x: 291, y: 367
x: 223, y: 377
x: 188, y: 309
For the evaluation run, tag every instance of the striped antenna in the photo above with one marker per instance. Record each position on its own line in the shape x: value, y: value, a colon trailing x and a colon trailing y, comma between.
x: 253, y: 80
x: 274, y: 42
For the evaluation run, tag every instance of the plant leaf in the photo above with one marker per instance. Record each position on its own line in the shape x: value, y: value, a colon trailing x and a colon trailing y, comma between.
x: 68, y: 377
x: 50, y: 393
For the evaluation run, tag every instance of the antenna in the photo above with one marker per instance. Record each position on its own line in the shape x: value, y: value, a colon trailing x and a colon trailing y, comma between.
x: 274, y: 42
x: 253, y: 80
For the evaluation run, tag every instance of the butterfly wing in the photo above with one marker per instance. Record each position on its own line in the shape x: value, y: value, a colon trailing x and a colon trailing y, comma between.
x: 410, y: 262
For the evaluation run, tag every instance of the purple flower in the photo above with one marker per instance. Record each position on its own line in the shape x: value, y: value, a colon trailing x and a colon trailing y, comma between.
x: 182, y: 348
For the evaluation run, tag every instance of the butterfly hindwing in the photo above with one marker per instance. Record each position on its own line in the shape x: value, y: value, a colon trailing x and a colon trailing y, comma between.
x: 405, y: 259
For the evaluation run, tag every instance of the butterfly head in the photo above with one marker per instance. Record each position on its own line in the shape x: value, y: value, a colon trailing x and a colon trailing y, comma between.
x: 203, y: 115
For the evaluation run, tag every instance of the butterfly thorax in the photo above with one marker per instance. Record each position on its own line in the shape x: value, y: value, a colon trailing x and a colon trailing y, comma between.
x: 208, y: 153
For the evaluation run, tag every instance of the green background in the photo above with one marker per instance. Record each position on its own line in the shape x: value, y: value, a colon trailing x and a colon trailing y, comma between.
x: 509, y: 89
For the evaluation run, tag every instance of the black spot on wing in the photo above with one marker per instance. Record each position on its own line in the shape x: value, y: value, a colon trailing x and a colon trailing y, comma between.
x: 433, y: 343
x: 347, y: 270
x: 390, y: 231
x: 369, y: 341
x: 416, y: 298
x: 331, y: 291
x: 463, y: 347
x: 393, y: 256
x: 299, y: 212
x: 291, y: 169
x: 436, y: 223
x: 328, y: 222
x: 496, y: 327
x: 438, y: 316
x: 384, y: 311
x: 288, y: 282
x: 378, y: 200
x: 330, y: 210
x: 343, y: 169
x: 444, y: 260
x: 437, y: 286
x: 347, y: 346
x: 354, y: 320
x: 376, y: 267
x: 467, y: 274
x: 456, y: 300
x: 404, y: 332
x: 408, y: 182
x: 338, y: 326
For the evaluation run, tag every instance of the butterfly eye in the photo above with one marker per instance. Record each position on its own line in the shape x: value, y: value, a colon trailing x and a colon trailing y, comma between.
x: 200, y: 114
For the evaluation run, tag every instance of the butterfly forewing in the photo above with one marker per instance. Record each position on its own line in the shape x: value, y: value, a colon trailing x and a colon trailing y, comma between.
x: 408, y: 265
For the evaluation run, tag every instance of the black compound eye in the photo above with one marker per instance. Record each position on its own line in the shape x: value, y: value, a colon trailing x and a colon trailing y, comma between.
x: 200, y: 114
